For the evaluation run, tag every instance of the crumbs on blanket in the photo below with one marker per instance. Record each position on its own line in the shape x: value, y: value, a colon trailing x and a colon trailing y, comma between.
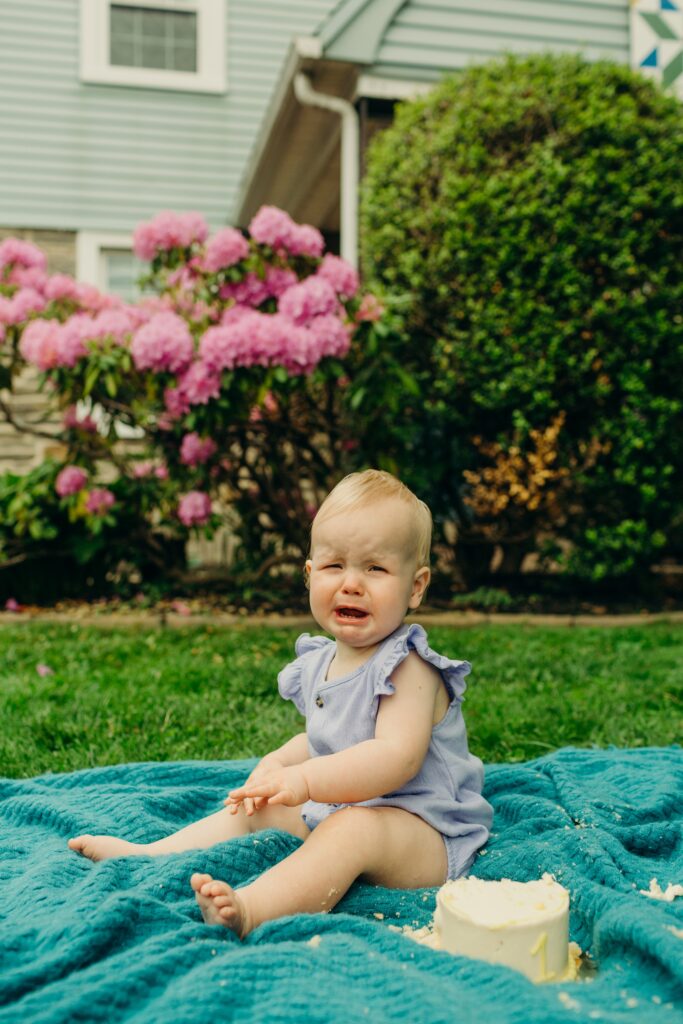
x: 655, y: 891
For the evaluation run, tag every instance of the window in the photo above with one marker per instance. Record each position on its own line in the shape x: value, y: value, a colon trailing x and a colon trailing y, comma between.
x: 162, y: 44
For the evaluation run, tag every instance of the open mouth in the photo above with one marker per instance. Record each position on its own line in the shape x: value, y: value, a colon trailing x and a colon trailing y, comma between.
x: 351, y: 613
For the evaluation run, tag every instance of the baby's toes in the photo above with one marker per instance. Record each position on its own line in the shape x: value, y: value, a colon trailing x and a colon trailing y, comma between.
x: 198, y: 881
x: 216, y: 888
x: 221, y: 901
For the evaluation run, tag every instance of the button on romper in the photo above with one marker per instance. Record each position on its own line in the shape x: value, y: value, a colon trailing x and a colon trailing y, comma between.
x: 447, y: 790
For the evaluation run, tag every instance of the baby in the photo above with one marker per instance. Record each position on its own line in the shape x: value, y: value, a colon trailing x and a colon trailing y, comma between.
x: 381, y: 785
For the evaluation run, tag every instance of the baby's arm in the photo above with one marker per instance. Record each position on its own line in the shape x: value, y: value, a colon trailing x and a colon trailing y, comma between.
x: 374, y: 767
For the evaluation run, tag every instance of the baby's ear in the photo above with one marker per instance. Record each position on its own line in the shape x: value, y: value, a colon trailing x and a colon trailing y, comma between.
x: 420, y: 583
x: 307, y: 573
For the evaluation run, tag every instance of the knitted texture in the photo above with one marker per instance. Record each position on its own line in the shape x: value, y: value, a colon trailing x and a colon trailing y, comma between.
x: 123, y: 940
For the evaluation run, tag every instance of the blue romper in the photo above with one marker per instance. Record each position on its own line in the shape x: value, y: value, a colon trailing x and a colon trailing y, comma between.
x: 446, y: 792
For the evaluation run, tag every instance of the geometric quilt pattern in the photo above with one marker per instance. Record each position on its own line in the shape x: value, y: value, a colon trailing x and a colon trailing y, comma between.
x: 657, y: 41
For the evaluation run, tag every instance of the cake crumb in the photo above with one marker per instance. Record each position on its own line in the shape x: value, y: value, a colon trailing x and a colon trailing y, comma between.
x: 314, y: 941
x: 567, y: 1001
x: 655, y: 891
x: 378, y: 915
x: 678, y: 932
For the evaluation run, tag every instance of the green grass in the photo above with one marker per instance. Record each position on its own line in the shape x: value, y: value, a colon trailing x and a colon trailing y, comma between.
x: 140, y: 694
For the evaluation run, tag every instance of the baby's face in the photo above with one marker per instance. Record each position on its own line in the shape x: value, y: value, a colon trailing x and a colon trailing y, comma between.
x: 362, y: 572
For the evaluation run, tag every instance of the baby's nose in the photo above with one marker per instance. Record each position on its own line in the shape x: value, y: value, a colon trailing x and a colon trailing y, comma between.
x: 353, y: 582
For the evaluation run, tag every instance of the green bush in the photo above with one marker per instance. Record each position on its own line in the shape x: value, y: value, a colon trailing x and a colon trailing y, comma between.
x: 527, y: 218
x: 52, y: 547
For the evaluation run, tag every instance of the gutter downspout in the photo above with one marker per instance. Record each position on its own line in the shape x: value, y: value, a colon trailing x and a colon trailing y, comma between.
x: 349, y: 173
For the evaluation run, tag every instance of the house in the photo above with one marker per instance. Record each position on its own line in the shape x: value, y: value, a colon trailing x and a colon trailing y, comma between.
x: 115, y: 109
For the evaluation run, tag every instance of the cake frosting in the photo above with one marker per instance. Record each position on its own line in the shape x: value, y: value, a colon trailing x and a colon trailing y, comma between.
x: 524, y: 925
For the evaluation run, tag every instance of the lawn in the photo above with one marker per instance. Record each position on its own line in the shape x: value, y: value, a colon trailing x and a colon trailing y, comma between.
x: 150, y: 694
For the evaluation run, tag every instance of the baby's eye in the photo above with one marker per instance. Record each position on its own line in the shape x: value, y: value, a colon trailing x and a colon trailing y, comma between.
x: 332, y: 565
x: 377, y: 568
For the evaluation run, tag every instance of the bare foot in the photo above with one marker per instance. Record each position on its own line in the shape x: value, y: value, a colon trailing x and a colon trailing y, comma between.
x: 105, y: 847
x: 220, y: 904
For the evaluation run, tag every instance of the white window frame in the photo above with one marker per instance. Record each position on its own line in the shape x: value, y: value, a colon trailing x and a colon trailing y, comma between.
x: 210, y: 76
x: 91, y: 266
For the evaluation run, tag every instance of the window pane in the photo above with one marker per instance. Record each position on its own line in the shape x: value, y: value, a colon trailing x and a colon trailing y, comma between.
x: 122, y: 273
x: 184, y: 58
x: 153, y: 38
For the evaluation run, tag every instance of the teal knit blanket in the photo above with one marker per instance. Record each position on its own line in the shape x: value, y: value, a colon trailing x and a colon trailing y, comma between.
x: 123, y: 940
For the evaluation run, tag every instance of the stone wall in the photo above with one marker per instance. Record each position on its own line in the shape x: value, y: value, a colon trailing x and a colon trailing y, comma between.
x: 20, y: 450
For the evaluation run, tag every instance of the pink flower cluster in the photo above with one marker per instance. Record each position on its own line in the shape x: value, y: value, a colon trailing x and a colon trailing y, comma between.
x: 146, y: 468
x: 224, y: 249
x: 313, y: 297
x: 195, y: 451
x: 275, y: 228
x: 70, y: 480
x: 254, y: 290
x: 13, y: 251
x: 194, y: 508
x: 197, y: 386
x: 340, y: 274
x: 49, y: 343
x: 264, y: 339
x: 99, y: 501
x: 18, y: 308
x: 163, y: 344
x: 168, y: 230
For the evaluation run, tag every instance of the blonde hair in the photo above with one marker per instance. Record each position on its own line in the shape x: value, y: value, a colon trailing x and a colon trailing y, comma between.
x: 358, y: 489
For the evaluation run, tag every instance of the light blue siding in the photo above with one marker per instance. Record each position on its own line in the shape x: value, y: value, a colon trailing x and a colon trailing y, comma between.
x: 104, y: 157
x: 428, y: 37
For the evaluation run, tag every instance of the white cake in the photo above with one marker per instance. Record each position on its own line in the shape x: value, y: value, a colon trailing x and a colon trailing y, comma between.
x: 524, y: 925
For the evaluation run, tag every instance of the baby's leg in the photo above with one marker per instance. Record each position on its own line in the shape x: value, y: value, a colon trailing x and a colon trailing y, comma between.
x: 216, y: 828
x: 385, y: 845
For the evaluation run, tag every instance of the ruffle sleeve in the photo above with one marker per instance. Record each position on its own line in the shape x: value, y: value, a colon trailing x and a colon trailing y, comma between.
x: 289, y: 680
x: 414, y: 638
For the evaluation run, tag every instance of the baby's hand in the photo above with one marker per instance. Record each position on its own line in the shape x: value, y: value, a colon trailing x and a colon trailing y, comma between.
x: 277, y: 786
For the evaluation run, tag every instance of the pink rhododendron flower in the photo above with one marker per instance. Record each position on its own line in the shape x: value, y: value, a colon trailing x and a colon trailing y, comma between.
x: 72, y: 421
x: 92, y: 300
x: 194, y: 451
x: 279, y: 279
x: 161, y: 472
x: 12, y: 605
x: 306, y: 240
x: 313, y: 297
x: 168, y: 230
x: 143, y: 469
x: 61, y: 286
x: 272, y: 226
x: 44, y: 670
x: 194, y: 508
x: 40, y: 343
x: 252, y: 291
x: 255, y: 339
x: 99, y: 501
x: 70, y: 480
x: 164, y: 343
x: 14, y: 251
x: 340, y: 274
x: 19, y: 307
x: 224, y: 249
x: 71, y: 339
x: 114, y: 323
x: 196, y: 386
x: 28, y: 277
